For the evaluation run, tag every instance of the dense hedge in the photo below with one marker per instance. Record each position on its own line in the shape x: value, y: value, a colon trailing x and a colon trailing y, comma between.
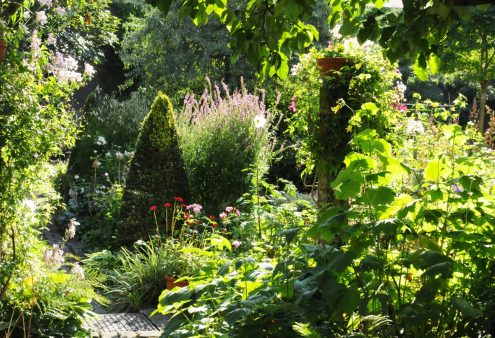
x: 155, y: 175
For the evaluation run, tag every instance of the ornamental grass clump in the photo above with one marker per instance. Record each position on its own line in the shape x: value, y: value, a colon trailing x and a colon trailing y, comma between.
x: 156, y: 170
x: 221, y: 134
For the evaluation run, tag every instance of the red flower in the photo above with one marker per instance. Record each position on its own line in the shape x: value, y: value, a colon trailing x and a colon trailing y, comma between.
x: 214, y: 224
x: 183, y: 205
x: 153, y: 208
x: 179, y: 199
x: 167, y: 205
x: 211, y: 217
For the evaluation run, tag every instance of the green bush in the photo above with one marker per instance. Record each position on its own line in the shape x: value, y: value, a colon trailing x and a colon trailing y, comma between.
x: 156, y: 172
x: 134, y: 278
x: 220, y: 137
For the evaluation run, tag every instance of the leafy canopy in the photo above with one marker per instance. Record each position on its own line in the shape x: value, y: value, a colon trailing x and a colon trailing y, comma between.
x: 268, y: 32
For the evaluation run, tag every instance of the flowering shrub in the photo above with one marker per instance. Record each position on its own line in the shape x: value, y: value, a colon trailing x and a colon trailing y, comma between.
x: 221, y: 134
x: 37, y: 79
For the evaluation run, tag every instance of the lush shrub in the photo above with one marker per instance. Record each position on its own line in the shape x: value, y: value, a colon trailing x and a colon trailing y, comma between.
x: 220, y: 136
x: 245, y: 281
x: 368, y: 77
x: 41, y: 299
x: 156, y: 172
x: 134, y: 278
x: 37, y: 80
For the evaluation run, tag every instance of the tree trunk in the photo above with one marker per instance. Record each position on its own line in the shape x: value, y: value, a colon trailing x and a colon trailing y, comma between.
x: 333, y: 137
x: 325, y: 177
x: 483, y: 95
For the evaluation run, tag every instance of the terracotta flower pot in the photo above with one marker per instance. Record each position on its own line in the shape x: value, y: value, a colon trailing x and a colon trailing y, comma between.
x: 3, y: 49
x: 331, y: 64
x: 171, y: 282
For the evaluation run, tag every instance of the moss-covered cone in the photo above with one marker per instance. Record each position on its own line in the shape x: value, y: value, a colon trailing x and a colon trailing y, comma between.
x: 155, y: 175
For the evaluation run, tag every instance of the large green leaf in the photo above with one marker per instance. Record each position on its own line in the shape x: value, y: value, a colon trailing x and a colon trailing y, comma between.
x: 466, y: 308
x: 329, y: 222
x: 420, y: 70
x: 436, y: 169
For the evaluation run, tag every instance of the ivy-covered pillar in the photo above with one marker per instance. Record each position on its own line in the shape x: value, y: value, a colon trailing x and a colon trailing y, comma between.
x: 333, y: 136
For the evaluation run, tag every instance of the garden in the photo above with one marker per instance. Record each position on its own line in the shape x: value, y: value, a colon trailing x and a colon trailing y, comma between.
x: 245, y: 168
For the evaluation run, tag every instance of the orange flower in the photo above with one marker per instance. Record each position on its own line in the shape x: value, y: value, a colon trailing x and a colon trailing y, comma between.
x: 214, y: 224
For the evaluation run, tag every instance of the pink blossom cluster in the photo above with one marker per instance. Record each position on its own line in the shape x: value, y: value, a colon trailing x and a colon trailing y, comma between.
x: 228, y: 212
x: 222, y: 103
x: 64, y: 68
x: 196, y: 208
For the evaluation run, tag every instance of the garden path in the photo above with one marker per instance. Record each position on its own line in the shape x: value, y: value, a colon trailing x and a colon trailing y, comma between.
x: 104, y: 324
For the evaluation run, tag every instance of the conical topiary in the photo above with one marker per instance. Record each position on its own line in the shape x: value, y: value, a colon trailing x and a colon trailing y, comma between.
x: 156, y: 173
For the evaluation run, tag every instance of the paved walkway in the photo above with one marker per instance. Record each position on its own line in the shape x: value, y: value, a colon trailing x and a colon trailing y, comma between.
x: 122, y: 325
x: 111, y: 325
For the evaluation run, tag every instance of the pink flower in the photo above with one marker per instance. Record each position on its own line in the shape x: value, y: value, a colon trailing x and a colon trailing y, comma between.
x: 223, y: 215
x: 167, y: 205
x: 196, y: 208
x: 292, y: 107
x: 229, y: 209
x: 153, y: 208
x: 236, y: 244
x: 237, y: 212
x: 179, y: 199
x: 399, y: 106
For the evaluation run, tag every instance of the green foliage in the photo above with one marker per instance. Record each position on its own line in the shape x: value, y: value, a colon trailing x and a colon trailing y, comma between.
x: 189, y: 54
x: 134, y: 278
x: 241, y: 289
x: 99, y: 164
x: 469, y: 53
x: 116, y: 121
x: 268, y: 46
x: 416, y: 32
x: 367, y: 78
x: 221, y: 136
x: 156, y: 172
x: 40, y: 299
x: 410, y: 253
x: 37, y: 79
